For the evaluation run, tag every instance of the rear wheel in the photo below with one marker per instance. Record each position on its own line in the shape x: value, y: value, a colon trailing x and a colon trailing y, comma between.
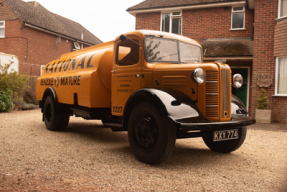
x: 52, y: 121
x: 151, y: 136
x: 224, y: 146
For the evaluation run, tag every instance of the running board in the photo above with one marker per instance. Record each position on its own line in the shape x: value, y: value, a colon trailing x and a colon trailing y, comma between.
x: 115, y: 126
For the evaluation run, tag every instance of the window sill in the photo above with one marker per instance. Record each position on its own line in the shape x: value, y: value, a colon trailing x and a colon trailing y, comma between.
x: 281, y: 18
x: 237, y: 29
x: 2, y: 37
x: 283, y: 95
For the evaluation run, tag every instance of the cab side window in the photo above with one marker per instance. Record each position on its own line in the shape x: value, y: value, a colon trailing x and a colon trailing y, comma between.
x: 127, y: 53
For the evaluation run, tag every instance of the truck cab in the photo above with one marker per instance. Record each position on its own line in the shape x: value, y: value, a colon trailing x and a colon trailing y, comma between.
x: 154, y: 85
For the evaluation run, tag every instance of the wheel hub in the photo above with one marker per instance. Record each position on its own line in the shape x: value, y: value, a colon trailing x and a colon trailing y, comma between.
x: 145, y: 132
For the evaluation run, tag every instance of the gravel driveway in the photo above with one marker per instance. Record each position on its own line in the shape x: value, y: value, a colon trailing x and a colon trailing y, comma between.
x: 89, y: 157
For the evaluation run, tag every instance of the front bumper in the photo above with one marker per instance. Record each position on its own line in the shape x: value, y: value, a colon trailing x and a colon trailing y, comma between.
x: 235, y: 122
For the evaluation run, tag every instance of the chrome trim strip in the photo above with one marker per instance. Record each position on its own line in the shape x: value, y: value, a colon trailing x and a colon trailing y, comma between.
x: 211, y: 105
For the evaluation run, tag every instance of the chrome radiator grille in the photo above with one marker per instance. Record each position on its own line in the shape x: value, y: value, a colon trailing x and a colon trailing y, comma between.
x: 226, y: 93
x: 213, y: 96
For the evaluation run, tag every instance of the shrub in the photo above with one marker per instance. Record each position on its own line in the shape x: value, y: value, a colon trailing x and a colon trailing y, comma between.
x: 262, y: 100
x: 6, y: 100
x: 12, y: 80
x: 30, y: 97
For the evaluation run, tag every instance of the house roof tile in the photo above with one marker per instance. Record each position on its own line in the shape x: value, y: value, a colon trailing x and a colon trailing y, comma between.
x: 35, y: 14
x: 152, y: 4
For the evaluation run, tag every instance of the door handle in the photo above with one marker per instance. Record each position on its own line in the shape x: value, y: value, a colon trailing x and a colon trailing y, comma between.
x: 113, y: 71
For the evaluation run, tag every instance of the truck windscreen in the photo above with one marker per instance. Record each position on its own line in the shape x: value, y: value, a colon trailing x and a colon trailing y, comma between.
x: 164, y: 50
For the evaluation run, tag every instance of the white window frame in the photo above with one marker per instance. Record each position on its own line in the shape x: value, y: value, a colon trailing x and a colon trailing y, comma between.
x: 77, y: 46
x: 2, y: 27
x: 235, y: 12
x: 171, y: 16
x: 279, y: 9
x: 276, y: 78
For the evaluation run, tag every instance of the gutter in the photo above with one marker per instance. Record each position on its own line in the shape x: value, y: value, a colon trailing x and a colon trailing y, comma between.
x: 182, y: 7
x: 56, y: 33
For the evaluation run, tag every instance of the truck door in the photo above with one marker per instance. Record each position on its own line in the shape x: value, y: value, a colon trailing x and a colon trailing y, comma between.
x: 126, y: 73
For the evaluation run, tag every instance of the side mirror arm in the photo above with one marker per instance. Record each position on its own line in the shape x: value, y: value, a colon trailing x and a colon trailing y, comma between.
x: 124, y: 38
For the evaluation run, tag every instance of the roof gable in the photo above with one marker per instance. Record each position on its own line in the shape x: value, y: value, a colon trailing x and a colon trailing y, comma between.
x: 6, y: 12
x: 35, y: 14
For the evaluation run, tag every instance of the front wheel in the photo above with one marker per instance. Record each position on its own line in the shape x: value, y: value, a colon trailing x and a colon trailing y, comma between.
x: 151, y: 136
x: 52, y: 121
x: 224, y: 146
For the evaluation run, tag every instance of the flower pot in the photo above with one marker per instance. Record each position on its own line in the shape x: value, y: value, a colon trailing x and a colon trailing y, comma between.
x: 263, y: 115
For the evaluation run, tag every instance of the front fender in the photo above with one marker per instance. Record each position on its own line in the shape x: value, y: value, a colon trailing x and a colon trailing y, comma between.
x: 170, y: 103
x: 237, y: 107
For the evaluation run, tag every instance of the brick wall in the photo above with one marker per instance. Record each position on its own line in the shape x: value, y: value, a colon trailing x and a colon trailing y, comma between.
x: 264, y: 59
x: 5, y: 11
x: 149, y: 21
x: 280, y: 38
x: 280, y: 49
x: 33, y: 48
x: 201, y: 24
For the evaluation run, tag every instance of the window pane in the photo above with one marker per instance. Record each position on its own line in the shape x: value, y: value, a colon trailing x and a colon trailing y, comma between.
x: 282, y: 76
x: 238, y: 9
x: 237, y: 20
x: 176, y: 13
x: 165, y: 22
x: 189, y: 53
x: 176, y: 26
x: 128, y: 53
x: 1, y: 24
x: 283, y: 11
x: 161, y: 50
x: 2, y: 32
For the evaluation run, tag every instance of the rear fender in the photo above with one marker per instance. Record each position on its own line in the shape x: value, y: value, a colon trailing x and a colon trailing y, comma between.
x: 49, y: 91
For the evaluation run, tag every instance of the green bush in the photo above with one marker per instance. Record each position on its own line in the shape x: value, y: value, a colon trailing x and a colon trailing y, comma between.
x: 6, y: 100
x: 262, y: 100
x: 13, y: 81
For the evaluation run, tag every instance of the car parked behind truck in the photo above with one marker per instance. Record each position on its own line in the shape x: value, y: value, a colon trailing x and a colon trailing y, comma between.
x: 154, y: 85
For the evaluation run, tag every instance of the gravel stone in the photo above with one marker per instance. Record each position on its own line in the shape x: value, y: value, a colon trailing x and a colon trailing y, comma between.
x: 90, y: 157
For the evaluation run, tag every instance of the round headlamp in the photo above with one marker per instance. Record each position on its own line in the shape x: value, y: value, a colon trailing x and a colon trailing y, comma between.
x: 237, y: 80
x: 198, y: 76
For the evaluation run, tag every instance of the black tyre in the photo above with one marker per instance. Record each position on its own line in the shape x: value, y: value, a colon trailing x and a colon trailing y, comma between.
x: 52, y: 121
x: 151, y: 136
x: 224, y: 146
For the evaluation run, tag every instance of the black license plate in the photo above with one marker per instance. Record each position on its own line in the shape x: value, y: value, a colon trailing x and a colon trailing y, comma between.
x: 225, y: 135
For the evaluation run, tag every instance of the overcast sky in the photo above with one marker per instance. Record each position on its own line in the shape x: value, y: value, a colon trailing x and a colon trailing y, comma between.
x: 106, y: 19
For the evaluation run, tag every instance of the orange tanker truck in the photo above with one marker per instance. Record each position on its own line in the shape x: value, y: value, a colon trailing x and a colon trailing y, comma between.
x: 154, y: 85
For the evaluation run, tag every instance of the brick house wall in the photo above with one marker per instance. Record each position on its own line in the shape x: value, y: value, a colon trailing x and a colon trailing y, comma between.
x: 280, y: 49
x: 211, y: 23
x: 33, y: 48
x: 280, y: 38
x: 264, y: 60
x: 201, y: 24
x: 148, y: 21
